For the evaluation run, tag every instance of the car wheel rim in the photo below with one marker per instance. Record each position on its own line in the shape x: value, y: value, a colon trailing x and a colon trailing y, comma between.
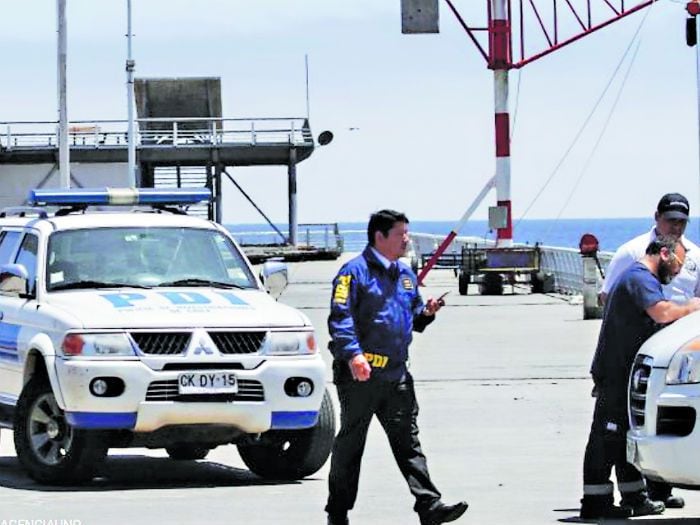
x: 49, y: 433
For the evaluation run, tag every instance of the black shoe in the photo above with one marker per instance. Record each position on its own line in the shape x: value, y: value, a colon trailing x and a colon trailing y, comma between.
x: 597, y: 511
x: 441, y: 513
x: 646, y: 507
x: 674, y: 502
x: 338, y: 520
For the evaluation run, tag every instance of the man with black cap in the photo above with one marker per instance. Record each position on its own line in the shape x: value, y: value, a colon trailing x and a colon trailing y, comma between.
x: 635, y: 310
x: 672, y: 214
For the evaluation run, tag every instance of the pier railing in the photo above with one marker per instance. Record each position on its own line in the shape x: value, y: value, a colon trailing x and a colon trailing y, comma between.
x: 567, y: 267
x: 565, y: 264
x: 160, y: 132
x: 319, y: 236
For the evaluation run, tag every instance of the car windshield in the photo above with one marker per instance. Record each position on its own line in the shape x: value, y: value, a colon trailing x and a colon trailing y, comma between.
x: 144, y: 257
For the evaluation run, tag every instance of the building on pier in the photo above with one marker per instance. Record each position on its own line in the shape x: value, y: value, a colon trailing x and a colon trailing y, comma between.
x: 182, y: 140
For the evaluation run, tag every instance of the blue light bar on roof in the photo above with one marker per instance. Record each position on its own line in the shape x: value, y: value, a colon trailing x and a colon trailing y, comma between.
x: 118, y: 196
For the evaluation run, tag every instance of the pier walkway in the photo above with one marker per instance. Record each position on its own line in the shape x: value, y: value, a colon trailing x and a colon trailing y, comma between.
x: 504, y: 391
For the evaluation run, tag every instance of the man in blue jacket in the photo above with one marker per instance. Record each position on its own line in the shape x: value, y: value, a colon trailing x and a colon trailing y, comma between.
x: 375, y: 306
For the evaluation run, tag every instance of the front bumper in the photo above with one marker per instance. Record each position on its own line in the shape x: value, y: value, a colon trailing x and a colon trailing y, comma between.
x: 664, y: 437
x: 150, y: 398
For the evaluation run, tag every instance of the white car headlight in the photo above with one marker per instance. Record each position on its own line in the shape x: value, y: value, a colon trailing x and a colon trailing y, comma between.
x: 291, y: 343
x: 97, y: 345
x: 685, y: 364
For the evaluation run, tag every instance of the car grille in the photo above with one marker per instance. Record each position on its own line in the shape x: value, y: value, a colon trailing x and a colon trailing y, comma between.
x: 162, y: 343
x: 248, y: 390
x: 202, y: 366
x: 238, y: 342
x: 639, y: 380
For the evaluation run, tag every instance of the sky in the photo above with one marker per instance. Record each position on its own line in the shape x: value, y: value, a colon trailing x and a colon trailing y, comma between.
x: 412, y: 115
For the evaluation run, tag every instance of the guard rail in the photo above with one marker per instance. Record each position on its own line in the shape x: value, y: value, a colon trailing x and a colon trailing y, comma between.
x: 161, y: 132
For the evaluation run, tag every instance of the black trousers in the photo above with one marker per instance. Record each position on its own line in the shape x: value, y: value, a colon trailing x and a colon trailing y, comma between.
x: 607, y: 447
x: 394, y: 404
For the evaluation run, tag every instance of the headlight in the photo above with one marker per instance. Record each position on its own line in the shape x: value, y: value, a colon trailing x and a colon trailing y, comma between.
x: 685, y: 365
x: 97, y: 345
x: 291, y: 343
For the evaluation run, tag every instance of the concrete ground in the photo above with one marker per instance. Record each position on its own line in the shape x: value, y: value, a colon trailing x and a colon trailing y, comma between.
x: 505, y: 409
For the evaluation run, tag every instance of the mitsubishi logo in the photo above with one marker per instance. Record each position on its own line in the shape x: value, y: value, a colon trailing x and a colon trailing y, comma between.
x: 202, y: 348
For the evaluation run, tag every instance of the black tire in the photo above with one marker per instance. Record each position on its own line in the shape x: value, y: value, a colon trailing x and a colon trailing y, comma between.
x: 187, y: 452
x: 463, y: 283
x: 50, y: 450
x: 492, y: 284
x: 542, y: 282
x: 293, y: 454
x: 536, y: 283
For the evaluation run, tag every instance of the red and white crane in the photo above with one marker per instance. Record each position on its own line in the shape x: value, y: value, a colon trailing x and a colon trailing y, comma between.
x: 558, y: 23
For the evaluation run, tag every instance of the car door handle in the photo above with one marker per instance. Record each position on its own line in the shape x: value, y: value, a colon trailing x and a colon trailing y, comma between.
x: 2, y: 314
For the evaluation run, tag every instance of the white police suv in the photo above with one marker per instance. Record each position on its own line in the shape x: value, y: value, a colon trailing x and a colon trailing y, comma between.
x: 145, y: 327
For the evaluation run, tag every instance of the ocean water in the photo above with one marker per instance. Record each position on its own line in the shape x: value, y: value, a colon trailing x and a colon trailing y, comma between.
x: 611, y: 233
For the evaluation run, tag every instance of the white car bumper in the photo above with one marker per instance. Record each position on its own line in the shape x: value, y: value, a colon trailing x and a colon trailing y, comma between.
x: 664, y: 442
x: 667, y: 458
x: 150, y: 399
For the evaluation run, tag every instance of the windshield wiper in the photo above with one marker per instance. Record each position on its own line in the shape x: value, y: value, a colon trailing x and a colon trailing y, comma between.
x: 203, y: 282
x: 82, y: 285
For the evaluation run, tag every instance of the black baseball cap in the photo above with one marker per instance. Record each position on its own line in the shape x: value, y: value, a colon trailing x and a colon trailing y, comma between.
x: 674, y: 206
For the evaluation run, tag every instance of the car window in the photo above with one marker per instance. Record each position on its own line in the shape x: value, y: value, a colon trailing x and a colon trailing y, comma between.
x: 8, y: 245
x: 144, y: 257
x: 27, y: 257
x: 231, y: 260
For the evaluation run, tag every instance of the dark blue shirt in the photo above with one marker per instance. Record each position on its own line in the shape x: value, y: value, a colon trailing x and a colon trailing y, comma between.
x: 626, y: 325
x: 373, y: 311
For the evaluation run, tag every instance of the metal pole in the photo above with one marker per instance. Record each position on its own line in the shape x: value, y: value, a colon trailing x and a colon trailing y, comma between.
x: 306, y: 69
x: 450, y: 237
x: 499, y: 31
x: 63, y: 146
x: 130, y: 66
x: 292, y: 184
x: 218, y: 205
x: 697, y: 80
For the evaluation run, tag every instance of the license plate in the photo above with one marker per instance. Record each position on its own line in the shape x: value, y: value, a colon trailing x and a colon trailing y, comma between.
x: 207, y: 383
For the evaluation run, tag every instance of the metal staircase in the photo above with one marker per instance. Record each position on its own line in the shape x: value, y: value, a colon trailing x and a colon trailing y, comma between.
x: 184, y: 177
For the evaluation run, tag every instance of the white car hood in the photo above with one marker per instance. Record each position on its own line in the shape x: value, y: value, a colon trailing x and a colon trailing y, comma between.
x: 663, y: 344
x: 174, y: 308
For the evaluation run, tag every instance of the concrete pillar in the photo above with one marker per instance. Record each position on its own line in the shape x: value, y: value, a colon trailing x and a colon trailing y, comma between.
x: 591, y: 284
x: 147, y: 176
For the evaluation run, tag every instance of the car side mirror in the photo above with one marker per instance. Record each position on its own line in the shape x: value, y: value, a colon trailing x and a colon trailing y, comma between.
x: 14, y: 280
x: 274, y: 277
